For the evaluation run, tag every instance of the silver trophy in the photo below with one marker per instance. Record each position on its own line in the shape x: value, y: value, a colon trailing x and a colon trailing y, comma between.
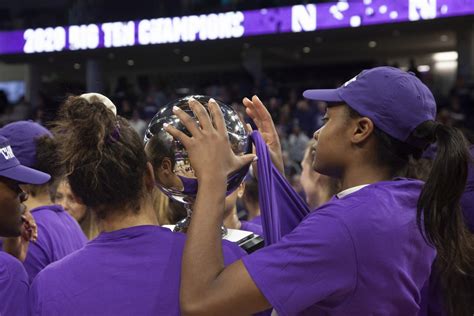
x: 173, y: 172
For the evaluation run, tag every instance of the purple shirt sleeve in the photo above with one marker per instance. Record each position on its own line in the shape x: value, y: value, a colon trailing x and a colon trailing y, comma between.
x: 314, y: 264
x: 13, y: 286
x: 252, y: 227
x: 281, y: 207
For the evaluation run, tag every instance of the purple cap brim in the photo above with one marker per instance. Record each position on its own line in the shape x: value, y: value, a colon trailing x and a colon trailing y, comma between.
x: 328, y: 95
x: 25, y: 175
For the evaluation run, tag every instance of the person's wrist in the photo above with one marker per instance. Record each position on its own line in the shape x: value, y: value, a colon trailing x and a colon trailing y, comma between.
x: 214, y: 178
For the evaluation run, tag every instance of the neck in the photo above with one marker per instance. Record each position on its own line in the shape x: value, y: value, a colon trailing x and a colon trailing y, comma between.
x: 232, y: 221
x: 37, y: 201
x: 128, y: 218
x: 359, y: 174
x: 253, y: 210
x: 313, y: 198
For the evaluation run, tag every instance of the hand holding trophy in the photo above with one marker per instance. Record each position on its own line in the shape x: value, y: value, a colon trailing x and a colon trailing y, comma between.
x: 173, y: 171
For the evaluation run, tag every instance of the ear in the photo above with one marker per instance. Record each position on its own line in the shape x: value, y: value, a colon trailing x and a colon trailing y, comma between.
x: 241, y: 190
x: 166, y: 167
x: 364, y: 127
x: 149, y: 177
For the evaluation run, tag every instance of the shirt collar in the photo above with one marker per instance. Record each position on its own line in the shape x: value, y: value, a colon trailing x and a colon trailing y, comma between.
x: 346, y: 192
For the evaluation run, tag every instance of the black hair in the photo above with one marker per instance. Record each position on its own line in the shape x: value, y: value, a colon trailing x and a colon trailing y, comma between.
x: 46, y: 161
x: 157, y: 150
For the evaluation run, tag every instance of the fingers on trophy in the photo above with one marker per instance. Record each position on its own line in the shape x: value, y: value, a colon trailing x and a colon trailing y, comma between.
x: 173, y: 172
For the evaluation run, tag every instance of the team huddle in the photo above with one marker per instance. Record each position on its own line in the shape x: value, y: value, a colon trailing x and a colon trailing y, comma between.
x: 373, y: 238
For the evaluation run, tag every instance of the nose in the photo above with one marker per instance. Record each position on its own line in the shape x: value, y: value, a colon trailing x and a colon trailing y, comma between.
x: 316, y: 135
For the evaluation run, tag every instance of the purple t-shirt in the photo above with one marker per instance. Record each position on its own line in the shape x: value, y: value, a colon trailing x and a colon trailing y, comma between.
x: 13, y: 286
x: 362, y: 254
x: 254, y: 226
x: 282, y: 209
x: 59, y: 234
x: 131, y: 271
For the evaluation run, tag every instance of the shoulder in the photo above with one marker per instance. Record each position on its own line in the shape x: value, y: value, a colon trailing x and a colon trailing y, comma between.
x: 11, y: 268
x: 47, y: 214
x: 371, y: 195
x: 47, y: 209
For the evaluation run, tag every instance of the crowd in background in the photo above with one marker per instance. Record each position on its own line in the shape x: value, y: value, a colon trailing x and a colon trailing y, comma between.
x: 296, y: 118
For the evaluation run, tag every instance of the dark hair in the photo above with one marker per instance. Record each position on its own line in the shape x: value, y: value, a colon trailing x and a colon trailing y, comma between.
x: 419, y: 168
x: 47, y: 156
x: 46, y: 161
x: 439, y: 215
x: 103, y: 157
x: 157, y: 150
x: 251, y: 191
x: 390, y: 151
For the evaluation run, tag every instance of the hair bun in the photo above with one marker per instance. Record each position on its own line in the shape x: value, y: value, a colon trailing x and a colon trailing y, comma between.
x: 94, y: 96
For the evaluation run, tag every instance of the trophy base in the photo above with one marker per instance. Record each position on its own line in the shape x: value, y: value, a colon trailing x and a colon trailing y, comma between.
x: 248, y: 241
x: 182, y: 227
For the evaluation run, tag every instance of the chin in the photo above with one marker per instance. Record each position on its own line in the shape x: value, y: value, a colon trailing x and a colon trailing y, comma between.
x: 10, y: 232
x: 317, y: 167
x: 327, y: 170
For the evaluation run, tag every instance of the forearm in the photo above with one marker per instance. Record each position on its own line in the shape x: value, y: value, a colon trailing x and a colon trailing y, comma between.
x: 202, y: 258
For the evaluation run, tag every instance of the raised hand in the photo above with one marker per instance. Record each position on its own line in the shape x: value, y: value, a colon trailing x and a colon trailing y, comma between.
x: 262, y: 118
x: 208, y: 148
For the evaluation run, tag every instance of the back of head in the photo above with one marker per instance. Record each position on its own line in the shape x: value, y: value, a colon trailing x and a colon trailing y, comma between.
x: 102, y: 156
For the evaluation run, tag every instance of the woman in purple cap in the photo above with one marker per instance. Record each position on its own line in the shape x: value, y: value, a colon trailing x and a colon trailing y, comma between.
x: 369, y: 250
x: 133, y: 267
x: 58, y: 233
x: 13, y: 278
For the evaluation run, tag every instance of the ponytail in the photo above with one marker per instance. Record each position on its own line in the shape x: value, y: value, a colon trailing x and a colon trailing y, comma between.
x: 441, y: 222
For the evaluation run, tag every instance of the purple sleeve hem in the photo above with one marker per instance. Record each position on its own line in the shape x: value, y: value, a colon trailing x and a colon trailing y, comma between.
x: 260, y: 283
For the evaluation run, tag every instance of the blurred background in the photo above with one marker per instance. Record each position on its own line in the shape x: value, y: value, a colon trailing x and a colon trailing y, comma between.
x: 143, y: 54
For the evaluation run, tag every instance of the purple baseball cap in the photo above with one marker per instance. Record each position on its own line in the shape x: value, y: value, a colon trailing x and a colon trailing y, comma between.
x: 11, y: 168
x: 22, y: 136
x: 395, y: 100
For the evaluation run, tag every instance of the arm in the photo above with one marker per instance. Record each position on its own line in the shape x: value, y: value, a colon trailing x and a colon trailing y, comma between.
x: 206, y: 287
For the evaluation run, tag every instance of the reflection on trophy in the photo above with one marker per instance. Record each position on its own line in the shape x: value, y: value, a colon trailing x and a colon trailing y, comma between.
x: 173, y: 172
